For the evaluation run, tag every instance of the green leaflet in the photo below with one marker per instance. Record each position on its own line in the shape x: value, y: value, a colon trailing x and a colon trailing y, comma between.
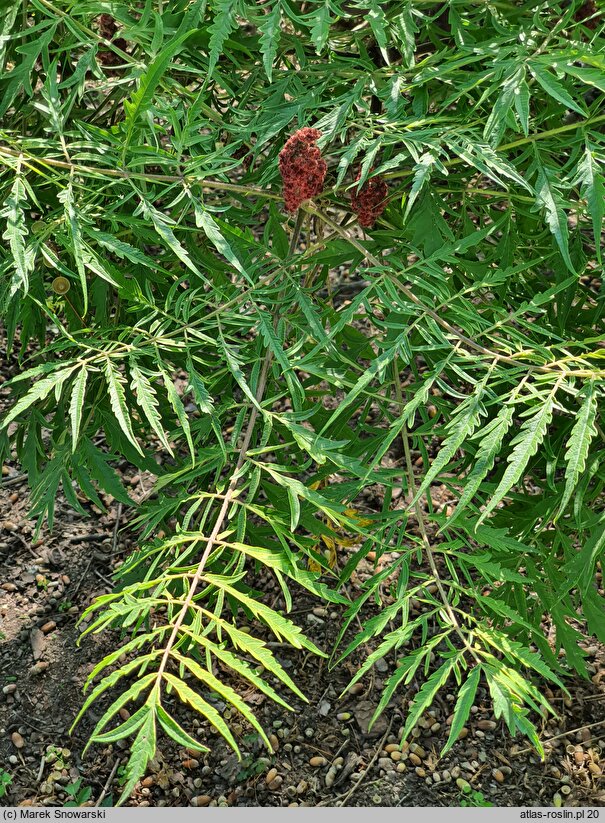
x: 321, y: 27
x: 592, y: 188
x: 551, y: 86
x: 212, y: 231
x: 279, y: 625
x: 427, y: 692
x: 72, y: 218
x: 148, y: 401
x: 226, y: 692
x: 549, y: 198
x: 422, y: 174
x: 525, y: 444
x: 578, y: 445
x: 176, y: 732
x: 377, y: 21
x: 278, y: 561
x: 141, y: 752
x: 15, y: 233
x: 459, y: 429
x: 119, y: 406
x: 38, y: 392
x: 269, y: 41
x: 163, y: 226
x: 142, y: 99
x: 224, y: 23
x: 462, y: 709
x: 491, y: 440
x: 193, y: 699
x: 76, y: 405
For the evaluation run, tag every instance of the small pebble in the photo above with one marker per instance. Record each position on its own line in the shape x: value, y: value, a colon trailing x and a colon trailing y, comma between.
x: 9, y: 587
x: 39, y: 667
x: 201, y: 800
x: 48, y: 627
x: 13, y: 759
x: 17, y: 740
x: 486, y: 725
x: 9, y: 526
x: 10, y: 689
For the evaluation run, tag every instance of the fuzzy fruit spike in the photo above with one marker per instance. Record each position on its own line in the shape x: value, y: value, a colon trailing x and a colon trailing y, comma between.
x: 370, y: 201
x: 302, y: 168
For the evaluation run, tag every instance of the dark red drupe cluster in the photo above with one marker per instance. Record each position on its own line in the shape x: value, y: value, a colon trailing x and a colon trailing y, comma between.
x: 302, y: 168
x: 370, y: 201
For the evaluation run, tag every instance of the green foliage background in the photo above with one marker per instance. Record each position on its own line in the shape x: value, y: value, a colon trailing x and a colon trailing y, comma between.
x: 154, y: 291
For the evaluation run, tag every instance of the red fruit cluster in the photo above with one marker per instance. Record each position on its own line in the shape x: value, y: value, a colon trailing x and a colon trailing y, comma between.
x: 370, y: 201
x: 302, y: 168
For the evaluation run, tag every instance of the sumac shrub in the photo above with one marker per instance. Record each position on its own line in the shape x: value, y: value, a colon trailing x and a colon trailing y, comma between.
x: 437, y: 336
